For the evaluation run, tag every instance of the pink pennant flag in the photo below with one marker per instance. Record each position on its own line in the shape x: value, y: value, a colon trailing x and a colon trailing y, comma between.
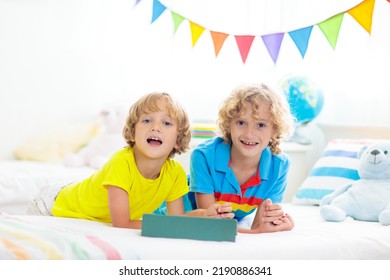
x: 273, y: 43
x: 244, y: 43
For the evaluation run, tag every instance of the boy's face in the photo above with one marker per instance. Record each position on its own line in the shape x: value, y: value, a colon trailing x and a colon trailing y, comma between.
x: 156, y: 133
x: 249, y: 135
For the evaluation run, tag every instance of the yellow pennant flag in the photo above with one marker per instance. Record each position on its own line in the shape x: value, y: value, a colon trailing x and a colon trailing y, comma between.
x: 196, y: 32
x: 362, y: 13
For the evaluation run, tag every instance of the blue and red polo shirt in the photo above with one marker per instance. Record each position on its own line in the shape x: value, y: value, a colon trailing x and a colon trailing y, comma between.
x: 210, y: 173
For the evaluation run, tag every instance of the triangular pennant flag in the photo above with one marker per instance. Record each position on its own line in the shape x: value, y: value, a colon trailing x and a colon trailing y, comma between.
x: 273, y: 42
x: 158, y: 9
x: 244, y: 43
x: 177, y: 20
x: 218, y: 40
x: 301, y: 38
x: 196, y: 31
x: 331, y: 28
x: 362, y: 13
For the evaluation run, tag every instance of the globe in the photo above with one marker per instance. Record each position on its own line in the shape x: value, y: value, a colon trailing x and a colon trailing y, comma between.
x: 304, y: 97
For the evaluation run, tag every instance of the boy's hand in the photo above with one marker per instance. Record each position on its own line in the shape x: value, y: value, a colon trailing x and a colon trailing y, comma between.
x: 214, y: 211
x: 272, y: 218
x: 220, y: 211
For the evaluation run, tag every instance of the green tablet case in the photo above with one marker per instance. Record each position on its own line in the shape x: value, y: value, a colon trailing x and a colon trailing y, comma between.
x: 186, y: 227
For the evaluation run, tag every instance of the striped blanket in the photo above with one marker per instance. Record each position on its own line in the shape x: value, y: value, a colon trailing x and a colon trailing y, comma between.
x: 22, y: 238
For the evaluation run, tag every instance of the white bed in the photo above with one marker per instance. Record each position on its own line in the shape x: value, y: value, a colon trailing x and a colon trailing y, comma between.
x: 36, y: 237
x: 40, y: 237
x: 20, y: 181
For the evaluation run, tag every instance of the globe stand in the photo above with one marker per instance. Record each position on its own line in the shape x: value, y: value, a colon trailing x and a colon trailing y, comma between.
x: 297, y: 137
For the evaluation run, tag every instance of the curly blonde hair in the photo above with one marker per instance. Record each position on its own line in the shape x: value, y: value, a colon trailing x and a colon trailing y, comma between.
x: 256, y: 94
x: 149, y: 103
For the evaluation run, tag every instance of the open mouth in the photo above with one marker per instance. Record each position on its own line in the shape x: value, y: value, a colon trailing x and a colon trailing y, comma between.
x: 154, y: 141
x: 249, y: 143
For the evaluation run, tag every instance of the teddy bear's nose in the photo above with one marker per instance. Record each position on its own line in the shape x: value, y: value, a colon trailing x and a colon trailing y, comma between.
x: 374, y: 152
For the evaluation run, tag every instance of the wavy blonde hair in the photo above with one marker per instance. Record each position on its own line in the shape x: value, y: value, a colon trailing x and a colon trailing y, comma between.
x: 256, y: 94
x: 149, y: 103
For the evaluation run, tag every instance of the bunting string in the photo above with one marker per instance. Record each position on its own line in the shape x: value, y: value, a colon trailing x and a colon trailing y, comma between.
x: 361, y: 13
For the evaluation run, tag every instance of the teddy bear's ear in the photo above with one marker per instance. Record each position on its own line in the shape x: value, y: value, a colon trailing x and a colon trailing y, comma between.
x: 361, y: 151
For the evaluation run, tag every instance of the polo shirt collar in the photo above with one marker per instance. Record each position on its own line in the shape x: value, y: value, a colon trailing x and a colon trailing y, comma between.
x: 222, y: 156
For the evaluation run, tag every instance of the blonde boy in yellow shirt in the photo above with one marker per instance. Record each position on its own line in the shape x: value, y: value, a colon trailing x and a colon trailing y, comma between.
x: 137, y: 179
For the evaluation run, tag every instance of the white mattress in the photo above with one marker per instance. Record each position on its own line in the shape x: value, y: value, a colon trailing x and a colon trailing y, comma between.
x: 61, y: 238
x: 40, y: 237
x: 21, y: 180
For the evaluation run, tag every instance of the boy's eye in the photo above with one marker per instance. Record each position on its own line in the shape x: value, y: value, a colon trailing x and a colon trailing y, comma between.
x: 261, y: 125
x: 146, y: 121
x: 167, y: 123
x: 240, y: 122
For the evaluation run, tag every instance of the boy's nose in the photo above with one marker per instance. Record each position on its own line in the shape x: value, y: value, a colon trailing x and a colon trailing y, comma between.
x: 248, y: 131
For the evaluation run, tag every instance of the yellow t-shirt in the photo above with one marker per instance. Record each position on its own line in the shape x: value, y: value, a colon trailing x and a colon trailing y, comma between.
x: 88, y: 199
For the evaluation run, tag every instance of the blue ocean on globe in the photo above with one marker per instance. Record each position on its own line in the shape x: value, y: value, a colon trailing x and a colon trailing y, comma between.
x: 304, y: 97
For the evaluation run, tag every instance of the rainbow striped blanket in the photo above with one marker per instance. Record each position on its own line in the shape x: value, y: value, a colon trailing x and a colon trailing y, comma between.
x: 42, y: 238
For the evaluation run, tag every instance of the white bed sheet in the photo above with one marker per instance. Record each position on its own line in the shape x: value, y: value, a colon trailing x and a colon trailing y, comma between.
x: 312, y: 238
x: 21, y: 180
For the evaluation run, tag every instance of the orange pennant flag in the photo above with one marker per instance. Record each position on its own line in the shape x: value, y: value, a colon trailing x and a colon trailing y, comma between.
x: 196, y: 32
x: 218, y: 40
x: 362, y: 13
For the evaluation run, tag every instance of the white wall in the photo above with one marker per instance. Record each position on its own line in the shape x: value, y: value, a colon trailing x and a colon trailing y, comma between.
x: 61, y: 61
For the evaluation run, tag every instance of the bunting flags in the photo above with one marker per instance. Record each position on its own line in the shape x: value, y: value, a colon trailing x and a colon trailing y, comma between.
x: 362, y: 13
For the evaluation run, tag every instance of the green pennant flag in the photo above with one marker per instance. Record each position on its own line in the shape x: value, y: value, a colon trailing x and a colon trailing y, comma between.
x: 331, y: 28
x: 177, y: 20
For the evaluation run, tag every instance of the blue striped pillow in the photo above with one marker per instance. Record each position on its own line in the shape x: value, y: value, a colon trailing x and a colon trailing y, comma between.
x: 337, y: 166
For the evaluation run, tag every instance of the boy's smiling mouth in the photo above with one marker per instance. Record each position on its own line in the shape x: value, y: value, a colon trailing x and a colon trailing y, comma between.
x: 249, y: 143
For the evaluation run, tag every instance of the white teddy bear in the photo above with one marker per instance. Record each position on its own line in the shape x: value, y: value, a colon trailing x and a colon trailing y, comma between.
x: 101, y: 147
x: 367, y: 199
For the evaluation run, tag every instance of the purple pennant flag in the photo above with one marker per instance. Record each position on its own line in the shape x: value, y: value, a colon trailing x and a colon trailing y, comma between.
x: 301, y: 38
x: 273, y: 42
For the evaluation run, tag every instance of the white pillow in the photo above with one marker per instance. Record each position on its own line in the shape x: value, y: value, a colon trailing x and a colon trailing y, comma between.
x: 53, y: 144
x: 337, y: 166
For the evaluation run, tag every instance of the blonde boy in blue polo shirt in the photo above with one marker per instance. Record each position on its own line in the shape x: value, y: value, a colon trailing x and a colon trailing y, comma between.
x: 138, y: 178
x: 245, y: 166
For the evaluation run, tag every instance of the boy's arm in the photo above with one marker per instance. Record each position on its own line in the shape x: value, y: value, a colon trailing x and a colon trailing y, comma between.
x: 215, y: 210
x: 118, y: 202
x: 204, y: 201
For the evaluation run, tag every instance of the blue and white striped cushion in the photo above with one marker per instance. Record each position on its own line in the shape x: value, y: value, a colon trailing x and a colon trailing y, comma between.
x: 336, y: 167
